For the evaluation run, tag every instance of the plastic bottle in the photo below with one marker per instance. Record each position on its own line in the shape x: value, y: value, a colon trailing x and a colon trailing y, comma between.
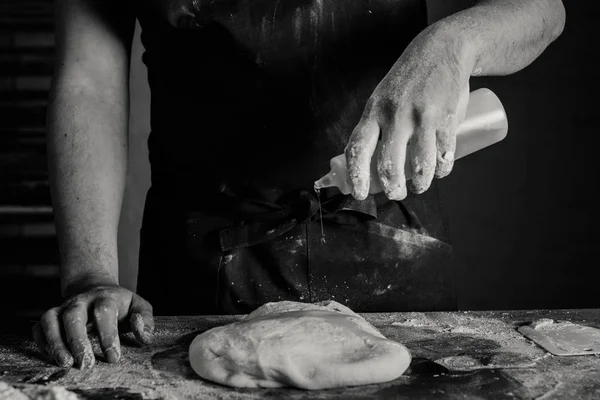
x: 485, y: 123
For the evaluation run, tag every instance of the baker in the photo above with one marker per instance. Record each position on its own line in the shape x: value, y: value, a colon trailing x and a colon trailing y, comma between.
x: 250, y: 101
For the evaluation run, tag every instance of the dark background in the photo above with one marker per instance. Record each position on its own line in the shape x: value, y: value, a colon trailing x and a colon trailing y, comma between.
x: 522, y: 213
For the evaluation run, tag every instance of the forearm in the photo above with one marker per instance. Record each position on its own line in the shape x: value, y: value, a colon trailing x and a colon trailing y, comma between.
x: 87, y: 150
x: 504, y: 36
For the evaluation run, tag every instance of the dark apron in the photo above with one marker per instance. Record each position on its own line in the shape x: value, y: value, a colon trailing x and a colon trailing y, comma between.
x: 246, y: 114
x: 373, y: 256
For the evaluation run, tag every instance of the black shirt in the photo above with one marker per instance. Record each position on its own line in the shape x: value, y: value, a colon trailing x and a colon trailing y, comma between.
x: 255, y: 103
x: 264, y: 93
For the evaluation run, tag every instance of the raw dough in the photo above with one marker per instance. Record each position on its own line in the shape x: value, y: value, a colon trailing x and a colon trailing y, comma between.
x: 308, y: 346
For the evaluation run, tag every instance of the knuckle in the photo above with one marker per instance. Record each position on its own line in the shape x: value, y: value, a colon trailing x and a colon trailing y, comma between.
x: 71, y: 314
x: 73, y: 302
x: 49, y: 318
x: 451, y: 109
x: 100, y: 312
x: 426, y: 116
x: 52, y: 313
x: 387, y: 109
x: 46, y: 318
x: 105, y: 304
x: 449, y: 123
x: 369, y: 108
x: 105, y: 310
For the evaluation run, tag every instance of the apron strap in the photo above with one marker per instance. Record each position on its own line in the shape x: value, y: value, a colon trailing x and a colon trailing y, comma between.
x: 290, y: 210
x: 269, y: 220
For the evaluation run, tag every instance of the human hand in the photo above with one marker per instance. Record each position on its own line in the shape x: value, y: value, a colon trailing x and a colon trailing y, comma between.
x: 62, y: 332
x: 416, y: 109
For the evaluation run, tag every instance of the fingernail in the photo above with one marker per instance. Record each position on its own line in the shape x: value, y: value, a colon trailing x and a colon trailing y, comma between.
x: 64, y: 359
x: 359, y: 194
x: 86, y: 361
x: 418, y: 168
x: 146, y: 335
x: 417, y: 187
x: 137, y: 322
x: 112, y: 356
x: 448, y: 156
x: 396, y: 193
x: 443, y: 168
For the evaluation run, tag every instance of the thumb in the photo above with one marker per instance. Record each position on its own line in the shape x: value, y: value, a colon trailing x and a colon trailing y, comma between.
x: 463, y: 102
x: 141, y: 319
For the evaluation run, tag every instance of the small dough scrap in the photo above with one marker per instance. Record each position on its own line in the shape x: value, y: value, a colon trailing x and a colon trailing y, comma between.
x: 541, y: 323
x: 35, y: 391
x: 308, y: 346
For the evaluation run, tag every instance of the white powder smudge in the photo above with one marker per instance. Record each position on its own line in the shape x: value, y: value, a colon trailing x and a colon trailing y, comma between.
x: 298, y: 24
x: 264, y: 31
x: 333, y: 23
x: 379, y: 292
x: 316, y: 17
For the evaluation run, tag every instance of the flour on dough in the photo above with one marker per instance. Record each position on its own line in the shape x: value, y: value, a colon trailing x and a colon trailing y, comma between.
x: 308, y: 346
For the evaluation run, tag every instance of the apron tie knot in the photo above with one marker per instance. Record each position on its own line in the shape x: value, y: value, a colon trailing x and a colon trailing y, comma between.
x: 269, y: 220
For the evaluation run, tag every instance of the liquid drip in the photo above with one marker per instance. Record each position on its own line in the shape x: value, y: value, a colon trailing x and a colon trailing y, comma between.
x: 320, y: 215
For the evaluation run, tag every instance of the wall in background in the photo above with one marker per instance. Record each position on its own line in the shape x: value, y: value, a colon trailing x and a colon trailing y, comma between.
x: 138, y: 176
x: 523, y: 213
x: 28, y: 249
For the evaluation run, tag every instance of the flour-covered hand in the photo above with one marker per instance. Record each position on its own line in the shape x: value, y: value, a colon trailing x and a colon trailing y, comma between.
x: 415, y: 111
x: 62, y: 332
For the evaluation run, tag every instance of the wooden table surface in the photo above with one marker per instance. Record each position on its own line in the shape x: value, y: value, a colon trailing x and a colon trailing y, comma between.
x: 466, y: 355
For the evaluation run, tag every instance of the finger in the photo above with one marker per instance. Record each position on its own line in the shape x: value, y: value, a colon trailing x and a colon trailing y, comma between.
x: 422, y: 154
x: 446, y: 147
x: 74, y: 321
x: 359, y: 151
x: 142, y: 321
x: 106, y: 316
x: 56, y: 348
x: 392, y: 158
x: 40, y: 340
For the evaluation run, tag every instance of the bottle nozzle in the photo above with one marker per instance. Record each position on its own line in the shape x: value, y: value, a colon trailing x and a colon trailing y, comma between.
x: 326, y: 181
